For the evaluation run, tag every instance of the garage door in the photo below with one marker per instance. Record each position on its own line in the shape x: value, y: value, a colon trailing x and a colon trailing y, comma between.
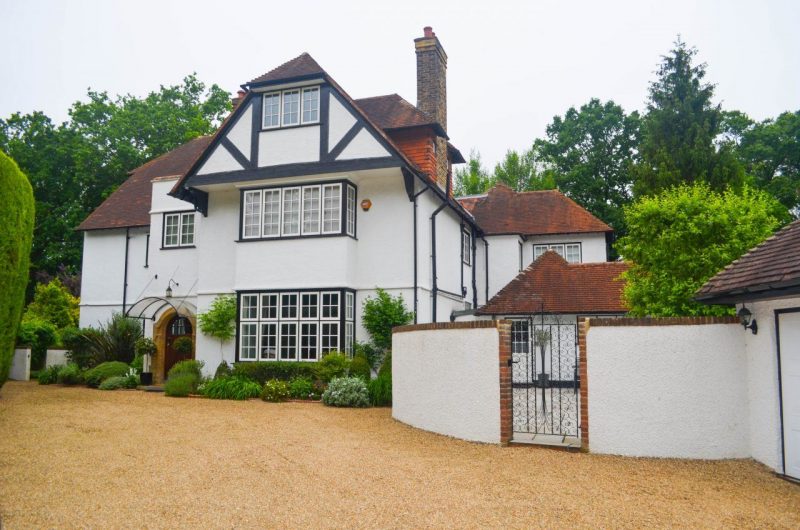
x: 789, y: 355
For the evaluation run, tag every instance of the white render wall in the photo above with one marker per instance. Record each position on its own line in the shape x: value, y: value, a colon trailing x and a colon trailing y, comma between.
x: 448, y: 382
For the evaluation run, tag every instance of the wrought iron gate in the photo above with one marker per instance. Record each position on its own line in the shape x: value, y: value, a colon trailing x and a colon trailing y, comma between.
x: 544, y: 378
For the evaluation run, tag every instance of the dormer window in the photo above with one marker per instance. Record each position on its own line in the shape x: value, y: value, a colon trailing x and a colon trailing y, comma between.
x: 292, y: 107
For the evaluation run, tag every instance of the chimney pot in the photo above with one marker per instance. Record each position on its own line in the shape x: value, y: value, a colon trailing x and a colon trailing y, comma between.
x: 428, y: 32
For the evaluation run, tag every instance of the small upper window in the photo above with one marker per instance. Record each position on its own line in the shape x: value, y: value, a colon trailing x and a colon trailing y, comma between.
x: 291, y: 107
x: 178, y: 230
x: 311, y: 105
x: 466, y: 244
x: 272, y: 110
x: 569, y: 251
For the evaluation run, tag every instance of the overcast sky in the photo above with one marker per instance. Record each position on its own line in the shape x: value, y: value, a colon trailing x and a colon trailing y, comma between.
x: 513, y: 65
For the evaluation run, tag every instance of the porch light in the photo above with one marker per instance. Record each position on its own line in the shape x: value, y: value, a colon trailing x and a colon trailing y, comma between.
x: 169, y: 287
x: 366, y: 204
x: 747, y: 320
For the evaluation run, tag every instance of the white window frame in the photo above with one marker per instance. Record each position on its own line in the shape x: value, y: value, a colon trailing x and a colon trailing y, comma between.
x: 466, y: 247
x: 313, y: 354
x: 351, y: 211
x: 271, y: 192
x: 284, y: 192
x: 315, y: 306
x: 337, y: 218
x: 270, y: 95
x: 281, y: 336
x: 551, y: 246
x: 275, y: 335
x: 255, y: 336
x: 299, y: 107
x: 323, y: 306
x: 296, y: 306
x: 312, y: 230
x: 256, y: 308
x: 316, y: 89
x: 182, y: 226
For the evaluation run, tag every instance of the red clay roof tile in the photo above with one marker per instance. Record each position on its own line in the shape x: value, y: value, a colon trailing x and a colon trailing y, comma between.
x: 301, y: 66
x: 504, y: 211
x: 582, y: 288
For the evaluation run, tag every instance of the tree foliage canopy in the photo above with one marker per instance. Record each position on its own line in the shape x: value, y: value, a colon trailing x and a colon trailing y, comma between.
x: 680, y: 129
x: 53, y: 303
x: 590, y: 153
x: 381, y: 313
x: 219, y: 321
x: 16, y: 220
x: 680, y: 238
x: 74, y: 166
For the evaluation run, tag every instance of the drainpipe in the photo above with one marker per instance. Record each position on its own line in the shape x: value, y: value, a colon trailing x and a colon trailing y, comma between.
x: 416, y: 297
x: 125, y: 274
x: 474, y: 266
x: 486, y: 266
x: 435, y: 287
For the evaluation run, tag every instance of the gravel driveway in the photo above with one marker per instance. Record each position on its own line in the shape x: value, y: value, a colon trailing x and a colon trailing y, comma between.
x: 77, y: 457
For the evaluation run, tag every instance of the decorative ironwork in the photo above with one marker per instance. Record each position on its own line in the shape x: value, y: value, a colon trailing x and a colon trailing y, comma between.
x: 544, y: 377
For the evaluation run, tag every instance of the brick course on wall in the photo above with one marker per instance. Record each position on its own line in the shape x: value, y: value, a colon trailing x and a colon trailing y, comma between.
x: 417, y: 145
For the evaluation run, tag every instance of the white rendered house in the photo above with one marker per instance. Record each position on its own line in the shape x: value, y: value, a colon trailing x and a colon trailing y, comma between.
x: 301, y: 205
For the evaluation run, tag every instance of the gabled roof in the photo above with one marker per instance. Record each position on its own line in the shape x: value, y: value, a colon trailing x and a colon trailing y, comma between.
x: 129, y: 205
x: 570, y: 288
x: 771, y: 269
x: 503, y: 211
x: 301, y: 66
x: 392, y: 112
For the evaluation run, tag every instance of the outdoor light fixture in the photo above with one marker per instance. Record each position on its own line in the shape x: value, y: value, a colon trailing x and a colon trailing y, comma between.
x: 747, y: 320
x: 366, y: 204
x: 169, y: 287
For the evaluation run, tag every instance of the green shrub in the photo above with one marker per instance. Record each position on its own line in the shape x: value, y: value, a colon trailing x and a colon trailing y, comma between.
x: 53, y: 303
x: 231, y: 388
x: 261, y: 372
x: 114, y: 383
x: 16, y: 234
x: 346, y: 392
x: 145, y: 346
x: 39, y: 335
x: 183, y: 345
x: 223, y: 370
x: 381, y: 314
x: 189, y: 366
x: 380, y: 390
x: 78, y: 343
x: 71, y: 374
x: 275, y: 391
x: 103, y: 371
x: 371, y: 352
x: 302, y: 388
x: 386, y: 365
x: 359, y: 367
x: 181, y: 385
x: 116, y: 340
x: 138, y: 363
x: 334, y: 364
x: 48, y: 376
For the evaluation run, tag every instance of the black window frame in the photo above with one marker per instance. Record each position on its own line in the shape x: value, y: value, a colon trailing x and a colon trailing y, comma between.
x: 180, y: 213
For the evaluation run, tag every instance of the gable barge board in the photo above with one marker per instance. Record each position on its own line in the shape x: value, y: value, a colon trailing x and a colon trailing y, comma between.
x: 294, y: 170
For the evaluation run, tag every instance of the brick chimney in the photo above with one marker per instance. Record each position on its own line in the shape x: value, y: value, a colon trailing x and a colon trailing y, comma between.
x: 432, y: 93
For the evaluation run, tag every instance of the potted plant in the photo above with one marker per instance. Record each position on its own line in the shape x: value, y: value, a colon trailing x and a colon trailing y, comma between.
x: 146, y: 348
x: 184, y: 346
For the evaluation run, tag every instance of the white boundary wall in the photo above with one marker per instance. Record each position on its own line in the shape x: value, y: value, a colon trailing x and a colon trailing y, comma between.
x: 668, y: 391
x: 447, y: 381
x: 21, y: 365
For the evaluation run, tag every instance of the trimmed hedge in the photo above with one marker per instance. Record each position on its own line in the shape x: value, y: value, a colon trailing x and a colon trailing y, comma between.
x: 263, y: 371
x: 16, y: 235
x: 103, y: 371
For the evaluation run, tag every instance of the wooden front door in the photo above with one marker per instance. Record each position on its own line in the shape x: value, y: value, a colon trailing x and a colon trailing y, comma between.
x: 178, y: 327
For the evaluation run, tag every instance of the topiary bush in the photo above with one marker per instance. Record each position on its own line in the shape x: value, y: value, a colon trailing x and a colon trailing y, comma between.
x: 189, y: 366
x: 261, y: 372
x: 275, y: 391
x: 302, y: 388
x: 71, y: 374
x: 359, y: 367
x: 49, y: 376
x: 223, y: 370
x: 334, y: 364
x: 380, y: 390
x: 346, y: 392
x: 183, y: 345
x: 231, y: 388
x: 16, y: 220
x: 103, y: 371
x: 181, y: 385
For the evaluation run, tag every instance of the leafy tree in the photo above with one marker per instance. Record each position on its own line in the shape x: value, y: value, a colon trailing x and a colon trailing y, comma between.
x: 473, y: 179
x: 74, y: 166
x: 679, y: 132
x: 381, y: 314
x: 519, y: 172
x: 770, y: 151
x: 219, y: 321
x: 53, y: 303
x: 590, y: 152
x: 680, y: 238
x: 16, y: 220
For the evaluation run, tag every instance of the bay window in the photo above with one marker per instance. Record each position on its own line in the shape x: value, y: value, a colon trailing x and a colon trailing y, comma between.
x: 295, y: 325
x: 295, y: 211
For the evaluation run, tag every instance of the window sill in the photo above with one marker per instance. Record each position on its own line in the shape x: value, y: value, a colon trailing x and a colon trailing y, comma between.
x: 289, y: 238
x: 179, y: 247
x: 284, y: 127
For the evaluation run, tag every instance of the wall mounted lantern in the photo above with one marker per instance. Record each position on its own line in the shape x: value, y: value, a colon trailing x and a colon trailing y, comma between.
x: 169, y: 287
x: 366, y: 204
x: 747, y: 320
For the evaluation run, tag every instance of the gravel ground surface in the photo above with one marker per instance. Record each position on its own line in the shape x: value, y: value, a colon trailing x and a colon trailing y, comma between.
x: 74, y: 457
